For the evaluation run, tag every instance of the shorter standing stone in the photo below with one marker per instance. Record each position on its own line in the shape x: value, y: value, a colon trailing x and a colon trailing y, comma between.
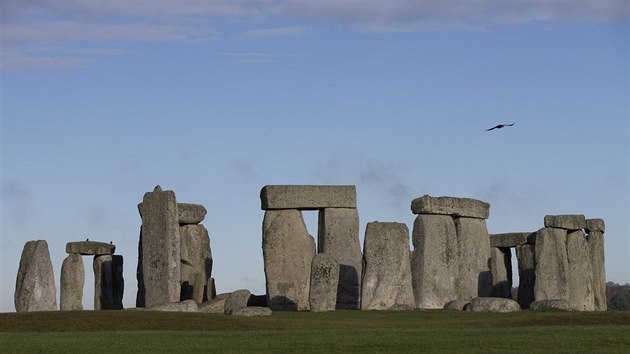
x: 191, y: 213
x: 252, y: 311
x: 324, y: 282
x: 492, y: 304
x: 90, y: 248
x: 473, y: 243
x: 501, y: 265
x: 71, y: 284
x: 35, y: 285
x: 237, y: 300
x: 552, y: 265
x: 526, y: 257
x: 595, y: 242
x: 103, y: 283
x: 567, y: 222
x: 118, y: 282
x: 460, y: 207
x: 580, y: 273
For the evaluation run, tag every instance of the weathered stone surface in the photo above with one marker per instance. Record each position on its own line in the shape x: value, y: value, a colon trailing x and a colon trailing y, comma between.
x: 552, y: 265
x: 307, y: 197
x: 103, y: 283
x: 465, y: 207
x: 595, y: 225
x: 196, y: 262
x: 473, y: 242
x: 492, y: 304
x: 324, y: 282
x: 512, y: 239
x: 160, y: 248
x: 35, y: 284
x: 387, y: 274
x: 580, y: 275
x: 526, y: 257
x: 191, y: 213
x: 551, y: 304
x: 338, y: 237
x: 180, y: 306
x: 71, y: 284
x: 458, y: 305
x: 118, y: 286
x: 501, y: 265
x: 595, y: 242
x: 288, y: 250
x: 434, y: 265
x: 90, y: 248
x: 237, y: 299
x: 567, y: 222
x: 216, y: 305
x: 252, y: 311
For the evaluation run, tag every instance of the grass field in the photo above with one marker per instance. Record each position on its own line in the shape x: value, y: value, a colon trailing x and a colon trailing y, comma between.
x: 339, y: 331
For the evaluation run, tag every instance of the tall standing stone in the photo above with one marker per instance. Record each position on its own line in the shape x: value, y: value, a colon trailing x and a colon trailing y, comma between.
x: 595, y: 229
x: 552, y: 265
x: 580, y: 274
x: 35, y: 284
x: 501, y: 265
x: 288, y: 250
x: 324, y: 283
x: 338, y: 237
x: 71, y: 284
x: 103, y: 283
x: 160, y: 247
x: 526, y: 257
x: 473, y: 242
x: 387, y: 274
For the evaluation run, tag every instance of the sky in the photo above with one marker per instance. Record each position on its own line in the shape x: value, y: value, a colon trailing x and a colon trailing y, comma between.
x: 103, y: 100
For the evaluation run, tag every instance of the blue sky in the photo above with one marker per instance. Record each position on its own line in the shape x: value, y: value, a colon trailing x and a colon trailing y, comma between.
x: 101, y: 101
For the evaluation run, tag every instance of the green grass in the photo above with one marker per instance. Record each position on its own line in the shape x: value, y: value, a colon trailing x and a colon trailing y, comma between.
x: 339, y: 331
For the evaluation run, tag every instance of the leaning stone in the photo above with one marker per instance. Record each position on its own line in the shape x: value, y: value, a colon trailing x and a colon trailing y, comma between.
x: 552, y: 265
x: 181, y: 306
x: 338, y: 237
x: 307, y: 197
x: 216, y: 305
x: 387, y: 274
x: 35, y: 285
x: 236, y: 300
x: 473, y: 242
x: 288, y: 250
x: 71, y: 284
x: 324, y: 282
x: 550, y: 304
x: 191, y: 213
x: 252, y: 311
x: 595, y: 242
x: 434, y: 265
x: 492, y: 304
x: 501, y: 265
x: 458, y: 305
x: 567, y: 222
x: 526, y: 258
x: 103, y: 283
x: 90, y: 248
x: 595, y: 225
x: 160, y: 248
x: 512, y: 239
x: 196, y: 262
x: 580, y: 275
x: 465, y: 207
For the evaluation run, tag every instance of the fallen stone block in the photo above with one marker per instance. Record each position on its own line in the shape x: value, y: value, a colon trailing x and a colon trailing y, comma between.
x: 216, y: 305
x: 324, y: 281
x: 252, y: 311
x: 90, y: 248
x: 567, y: 222
x: 236, y: 300
x: 35, y: 285
x: 71, y: 284
x: 458, y: 305
x: 307, y: 197
x: 190, y: 213
x: 465, y: 207
x: 492, y: 304
x: 180, y: 306
x: 550, y: 304
x: 512, y: 239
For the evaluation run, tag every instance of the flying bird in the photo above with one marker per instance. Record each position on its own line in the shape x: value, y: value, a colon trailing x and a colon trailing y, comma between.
x: 500, y: 126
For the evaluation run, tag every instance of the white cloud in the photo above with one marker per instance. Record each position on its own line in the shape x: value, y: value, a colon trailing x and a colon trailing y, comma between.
x: 276, y: 32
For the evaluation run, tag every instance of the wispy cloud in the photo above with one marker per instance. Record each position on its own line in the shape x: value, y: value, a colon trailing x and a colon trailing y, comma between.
x: 276, y: 32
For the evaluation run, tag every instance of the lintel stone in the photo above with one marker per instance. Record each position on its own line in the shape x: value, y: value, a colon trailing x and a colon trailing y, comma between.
x: 458, y: 207
x: 512, y: 239
x: 307, y: 197
x: 90, y: 248
x: 191, y: 213
x: 595, y: 225
x: 567, y: 222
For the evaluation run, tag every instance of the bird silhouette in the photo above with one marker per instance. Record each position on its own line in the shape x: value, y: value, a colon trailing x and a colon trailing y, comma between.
x: 87, y: 239
x: 500, y: 126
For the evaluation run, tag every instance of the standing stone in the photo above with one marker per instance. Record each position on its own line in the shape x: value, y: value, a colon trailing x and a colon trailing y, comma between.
x: 288, y: 250
x: 196, y: 262
x: 103, y: 283
x: 160, y: 247
x: 35, y: 285
x: 324, y: 283
x: 580, y: 275
x: 139, y: 275
x: 526, y: 257
x: 118, y: 286
x: 473, y: 242
x: 552, y: 265
x: 387, y: 274
x: 71, y: 284
x: 434, y: 266
x: 596, y: 254
x: 338, y: 237
x: 501, y: 265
